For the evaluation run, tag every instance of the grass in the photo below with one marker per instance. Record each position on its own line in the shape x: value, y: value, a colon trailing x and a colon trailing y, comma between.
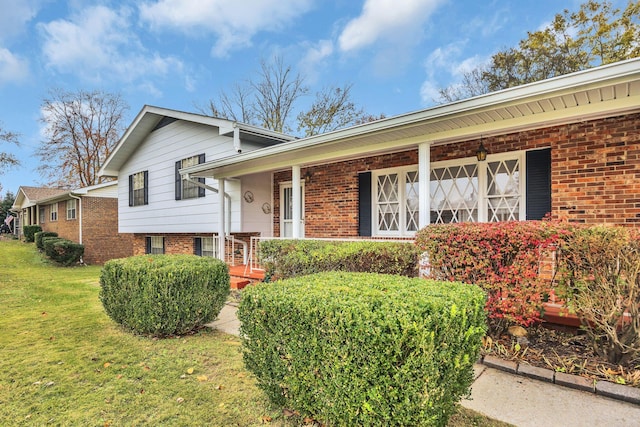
x: 64, y: 362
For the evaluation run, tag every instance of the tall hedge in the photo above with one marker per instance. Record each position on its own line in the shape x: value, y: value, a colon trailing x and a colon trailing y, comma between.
x: 162, y: 295
x: 363, y: 349
x: 30, y: 232
x: 289, y: 258
x: 40, y: 235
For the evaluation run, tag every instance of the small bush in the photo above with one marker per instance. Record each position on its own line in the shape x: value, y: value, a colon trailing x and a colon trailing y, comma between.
x: 62, y: 251
x: 29, y: 232
x: 290, y: 258
x: 41, y: 235
x: 363, y: 349
x: 163, y: 295
x: 601, y: 282
x: 502, y: 258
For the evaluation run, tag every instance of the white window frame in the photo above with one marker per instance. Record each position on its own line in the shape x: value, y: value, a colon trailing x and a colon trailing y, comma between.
x: 53, y: 211
x: 71, y: 209
x: 402, y: 201
x: 208, y: 252
x: 189, y: 189
x: 155, y: 249
x: 138, y: 189
x: 283, y: 222
x: 483, y: 199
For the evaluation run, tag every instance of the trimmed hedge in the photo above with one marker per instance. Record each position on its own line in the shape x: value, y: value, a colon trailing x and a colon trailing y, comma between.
x: 29, y: 232
x: 363, y: 349
x: 162, y: 295
x: 290, y: 258
x: 41, y: 235
x: 62, y: 251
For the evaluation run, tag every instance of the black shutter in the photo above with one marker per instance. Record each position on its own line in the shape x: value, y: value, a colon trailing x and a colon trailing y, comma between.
x: 201, y: 180
x: 197, y: 246
x: 178, y: 189
x: 538, y: 183
x: 146, y: 187
x: 130, y: 190
x: 163, y: 245
x: 147, y: 249
x: 364, y: 204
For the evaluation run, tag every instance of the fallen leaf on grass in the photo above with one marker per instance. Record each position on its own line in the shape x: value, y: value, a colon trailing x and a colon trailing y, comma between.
x: 289, y: 413
x: 266, y: 419
x: 202, y: 378
x: 180, y: 400
x: 219, y: 387
x: 190, y: 371
x: 106, y: 364
x: 44, y: 313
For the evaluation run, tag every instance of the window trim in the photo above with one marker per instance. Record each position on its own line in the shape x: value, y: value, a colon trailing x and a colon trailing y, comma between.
x: 53, y: 212
x: 402, y: 179
x: 180, y: 183
x: 145, y: 189
x: 149, y: 240
x: 72, y: 213
x: 483, y: 209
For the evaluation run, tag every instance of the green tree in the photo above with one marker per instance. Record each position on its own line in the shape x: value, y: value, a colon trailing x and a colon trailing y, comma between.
x: 5, y: 204
x: 81, y: 129
x: 596, y: 34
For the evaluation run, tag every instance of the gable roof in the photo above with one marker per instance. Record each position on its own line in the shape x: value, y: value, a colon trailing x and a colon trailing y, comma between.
x: 151, y: 117
x: 598, y: 92
x: 29, y: 196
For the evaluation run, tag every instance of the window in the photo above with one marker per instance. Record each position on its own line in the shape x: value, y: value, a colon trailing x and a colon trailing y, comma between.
x: 469, y: 191
x: 204, y: 246
x: 185, y: 189
x: 154, y: 245
x: 41, y: 214
x: 139, y: 189
x: 71, y: 209
x: 53, y: 212
x: 396, y: 207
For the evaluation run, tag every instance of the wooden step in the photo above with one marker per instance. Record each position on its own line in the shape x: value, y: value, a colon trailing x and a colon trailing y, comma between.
x: 239, y: 282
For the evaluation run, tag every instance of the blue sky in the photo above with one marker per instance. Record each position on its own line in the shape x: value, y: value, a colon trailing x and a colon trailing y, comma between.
x: 180, y: 53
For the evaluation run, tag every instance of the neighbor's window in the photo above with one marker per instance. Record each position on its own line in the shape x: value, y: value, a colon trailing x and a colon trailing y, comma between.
x: 71, y: 209
x: 155, y: 245
x: 53, y: 212
x: 139, y: 189
x: 41, y: 217
x: 185, y: 189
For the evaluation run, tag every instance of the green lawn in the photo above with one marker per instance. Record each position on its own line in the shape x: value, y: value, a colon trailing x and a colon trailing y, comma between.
x: 64, y: 362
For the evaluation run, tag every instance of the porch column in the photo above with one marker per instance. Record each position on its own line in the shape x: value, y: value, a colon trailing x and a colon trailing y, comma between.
x: 222, y: 233
x: 424, y: 190
x: 297, y: 202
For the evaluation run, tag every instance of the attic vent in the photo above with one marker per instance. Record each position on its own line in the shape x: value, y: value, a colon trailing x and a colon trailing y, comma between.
x: 163, y: 122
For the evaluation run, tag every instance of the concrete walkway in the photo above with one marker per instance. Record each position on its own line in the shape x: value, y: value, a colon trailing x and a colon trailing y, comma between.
x: 516, y: 399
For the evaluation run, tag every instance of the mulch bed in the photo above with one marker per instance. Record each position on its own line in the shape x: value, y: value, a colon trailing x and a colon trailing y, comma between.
x: 567, y: 350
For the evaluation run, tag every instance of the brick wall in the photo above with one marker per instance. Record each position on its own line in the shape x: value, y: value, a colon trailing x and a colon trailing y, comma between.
x: 100, y: 236
x: 100, y: 231
x: 595, y: 175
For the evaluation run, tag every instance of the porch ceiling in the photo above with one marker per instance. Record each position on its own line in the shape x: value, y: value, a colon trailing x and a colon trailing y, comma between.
x: 604, y: 91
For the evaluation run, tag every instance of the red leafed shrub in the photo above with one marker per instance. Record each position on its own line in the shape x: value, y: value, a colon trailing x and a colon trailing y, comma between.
x: 502, y: 258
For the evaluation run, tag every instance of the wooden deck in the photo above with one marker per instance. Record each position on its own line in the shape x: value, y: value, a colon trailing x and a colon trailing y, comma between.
x: 241, y: 276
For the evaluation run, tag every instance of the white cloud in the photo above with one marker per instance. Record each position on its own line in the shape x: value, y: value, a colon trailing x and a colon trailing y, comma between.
x: 315, y: 58
x: 387, y: 20
x: 12, y: 68
x: 98, y: 44
x: 233, y: 22
x: 15, y: 15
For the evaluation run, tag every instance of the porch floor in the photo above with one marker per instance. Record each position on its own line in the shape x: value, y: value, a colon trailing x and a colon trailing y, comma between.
x: 241, y: 276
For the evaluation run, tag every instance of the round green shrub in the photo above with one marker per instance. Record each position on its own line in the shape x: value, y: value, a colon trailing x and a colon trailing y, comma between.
x: 356, y: 349
x: 40, y: 235
x: 162, y: 295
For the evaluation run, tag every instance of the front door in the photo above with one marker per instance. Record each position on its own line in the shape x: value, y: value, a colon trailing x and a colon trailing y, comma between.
x: 286, y: 210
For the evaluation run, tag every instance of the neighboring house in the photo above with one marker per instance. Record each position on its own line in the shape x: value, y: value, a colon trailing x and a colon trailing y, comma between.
x: 567, y: 146
x: 88, y: 216
x: 167, y: 214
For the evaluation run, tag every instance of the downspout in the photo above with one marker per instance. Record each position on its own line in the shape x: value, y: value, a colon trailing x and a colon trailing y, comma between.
x: 186, y: 177
x: 236, y: 138
x: 79, y: 199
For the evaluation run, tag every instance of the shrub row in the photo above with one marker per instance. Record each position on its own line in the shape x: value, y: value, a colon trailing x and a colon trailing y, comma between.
x: 62, y: 251
x: 30, y: 231
x: 290, y: 258
x: 502, y: 258
x: 162, y: 295
x: 40, y: 235
x: 363, y: 349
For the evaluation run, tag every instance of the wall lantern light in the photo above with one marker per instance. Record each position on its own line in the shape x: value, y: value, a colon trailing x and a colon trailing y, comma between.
x: 307, y: 176
x: 481, y: 153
